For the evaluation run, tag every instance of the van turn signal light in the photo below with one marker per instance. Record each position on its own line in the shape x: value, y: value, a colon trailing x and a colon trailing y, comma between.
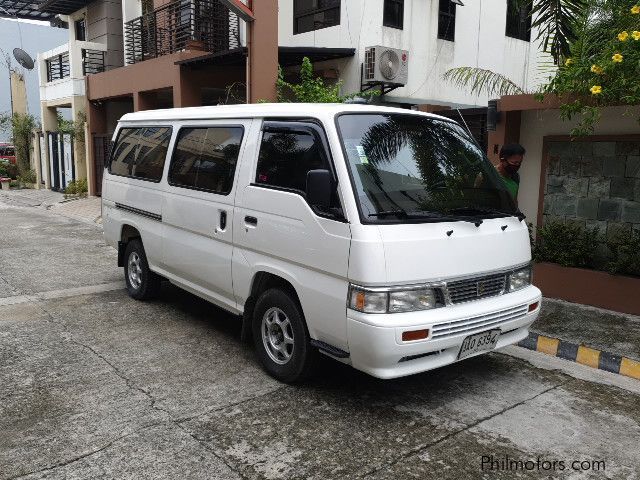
x: 413, y: 335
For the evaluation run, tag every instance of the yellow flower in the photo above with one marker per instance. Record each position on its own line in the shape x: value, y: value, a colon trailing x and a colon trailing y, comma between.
x: 622, y: 36
x: 617, y: 58
x: 596, y: 69
x: 635, y: 9
x: 568, y: 62
x: 636, y: 35
x: 596, y: 90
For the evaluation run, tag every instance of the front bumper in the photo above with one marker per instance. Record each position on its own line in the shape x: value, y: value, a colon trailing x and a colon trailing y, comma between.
x: 376, y: 346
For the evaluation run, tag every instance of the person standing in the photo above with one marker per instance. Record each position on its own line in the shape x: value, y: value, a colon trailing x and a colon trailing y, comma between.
x: 511, y: 157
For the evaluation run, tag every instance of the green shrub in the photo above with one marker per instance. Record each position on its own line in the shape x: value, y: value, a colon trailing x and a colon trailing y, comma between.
x: 8, y: 169
x: 625, y: 252
x: 566, y: 244
x: 28, y: 176
x: 82, y: 185
x: 78, y: 187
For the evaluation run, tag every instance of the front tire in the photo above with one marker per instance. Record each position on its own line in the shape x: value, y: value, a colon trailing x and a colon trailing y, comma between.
x: 281, y: 338
x: 142, y: 283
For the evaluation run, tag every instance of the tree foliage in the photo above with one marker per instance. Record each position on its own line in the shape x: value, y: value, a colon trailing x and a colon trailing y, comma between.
x: 603, y: 65
x: 557, y: 23
x: 21, y: 127
x: 311, y: 89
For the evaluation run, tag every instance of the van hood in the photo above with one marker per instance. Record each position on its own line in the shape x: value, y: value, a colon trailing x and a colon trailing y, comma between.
x: 427, y: 252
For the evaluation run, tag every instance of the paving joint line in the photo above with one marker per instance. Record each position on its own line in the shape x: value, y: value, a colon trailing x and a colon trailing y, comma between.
x: 87, y: 454
x: 448, y: 436
x: 132, y: 386
x: 582, y: 354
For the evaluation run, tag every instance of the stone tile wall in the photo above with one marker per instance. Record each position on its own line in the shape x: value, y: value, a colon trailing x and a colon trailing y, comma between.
x: 596, y: 184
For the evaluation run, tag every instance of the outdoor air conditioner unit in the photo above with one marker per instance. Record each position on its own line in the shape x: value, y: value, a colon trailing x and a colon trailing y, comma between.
x: 384, y: 65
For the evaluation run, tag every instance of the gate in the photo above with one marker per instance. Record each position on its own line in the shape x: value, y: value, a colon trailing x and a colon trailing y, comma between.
x: 62, y: 161
x: 101, y: 149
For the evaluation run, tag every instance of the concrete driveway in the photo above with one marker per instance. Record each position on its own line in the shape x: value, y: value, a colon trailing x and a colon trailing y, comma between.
x: 96, y: 385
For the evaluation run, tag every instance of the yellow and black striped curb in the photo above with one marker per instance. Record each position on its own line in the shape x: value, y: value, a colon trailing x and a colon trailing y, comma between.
x: 579, y: 353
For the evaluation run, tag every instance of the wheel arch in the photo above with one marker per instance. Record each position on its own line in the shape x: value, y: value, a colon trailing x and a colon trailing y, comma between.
x: 127, y: 233
x: 261, y: 282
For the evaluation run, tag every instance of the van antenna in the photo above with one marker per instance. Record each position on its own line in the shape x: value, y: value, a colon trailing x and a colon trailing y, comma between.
x: 467, y: 127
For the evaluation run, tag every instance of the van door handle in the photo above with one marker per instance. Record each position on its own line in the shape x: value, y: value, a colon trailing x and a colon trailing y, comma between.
x: 251, y: 221
x: 223, y: 219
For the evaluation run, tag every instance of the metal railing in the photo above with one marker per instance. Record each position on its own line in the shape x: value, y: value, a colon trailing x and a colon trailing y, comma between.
x: 179, y: 24
x: 92, y: 61
x: 58, y: 67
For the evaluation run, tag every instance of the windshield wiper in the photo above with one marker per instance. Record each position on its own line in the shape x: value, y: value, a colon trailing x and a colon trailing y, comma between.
x: 417, y: 215
x: 470, y: 211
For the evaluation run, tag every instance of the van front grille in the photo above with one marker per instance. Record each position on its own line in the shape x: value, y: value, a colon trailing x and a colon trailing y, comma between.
x: 474, y: 288
x: 478, y: 324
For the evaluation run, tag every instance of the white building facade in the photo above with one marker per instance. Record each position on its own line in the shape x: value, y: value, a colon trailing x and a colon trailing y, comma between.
x: 438, y: 35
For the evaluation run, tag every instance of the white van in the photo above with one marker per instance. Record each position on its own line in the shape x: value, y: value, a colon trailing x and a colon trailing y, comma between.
x: 381, y: 237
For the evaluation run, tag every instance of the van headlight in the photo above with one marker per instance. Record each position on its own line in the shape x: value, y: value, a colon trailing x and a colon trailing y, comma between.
x: 519, y: 279
x: 391, y: 300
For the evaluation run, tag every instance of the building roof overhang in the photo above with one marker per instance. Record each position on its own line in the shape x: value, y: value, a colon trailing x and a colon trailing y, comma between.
x: 287, y: 56
x: 63, y: 7
x: 27, y: 10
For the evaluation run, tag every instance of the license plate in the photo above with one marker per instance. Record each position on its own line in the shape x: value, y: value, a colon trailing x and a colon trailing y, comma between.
x: 480, y: 342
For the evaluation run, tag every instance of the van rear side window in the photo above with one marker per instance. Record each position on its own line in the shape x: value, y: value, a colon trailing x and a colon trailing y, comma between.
x: 140, y: 152
x: 205, y: 158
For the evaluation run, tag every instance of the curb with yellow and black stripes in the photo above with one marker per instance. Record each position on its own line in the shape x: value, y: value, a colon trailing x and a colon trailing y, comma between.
x: 591, y: 357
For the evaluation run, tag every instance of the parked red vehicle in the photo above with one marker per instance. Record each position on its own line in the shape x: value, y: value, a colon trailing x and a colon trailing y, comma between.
x: 8, y: 152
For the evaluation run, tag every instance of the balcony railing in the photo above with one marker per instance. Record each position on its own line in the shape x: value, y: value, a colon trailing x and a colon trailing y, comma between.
x: 175, y: 26
x: 92, y: 61
x: 58, y: 67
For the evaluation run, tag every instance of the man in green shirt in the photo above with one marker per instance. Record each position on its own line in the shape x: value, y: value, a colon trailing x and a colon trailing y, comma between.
x: 511, y: 157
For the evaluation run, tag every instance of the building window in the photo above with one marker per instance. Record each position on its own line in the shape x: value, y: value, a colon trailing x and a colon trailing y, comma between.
x: 310, y: 15
x: 81, y: 29
x: 447, y: 20
x: 519, y: 20
x: 205, y: 158
x: 393, y: 15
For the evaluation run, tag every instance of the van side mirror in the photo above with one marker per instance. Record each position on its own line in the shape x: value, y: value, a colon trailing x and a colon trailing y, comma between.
x: 319, y: 188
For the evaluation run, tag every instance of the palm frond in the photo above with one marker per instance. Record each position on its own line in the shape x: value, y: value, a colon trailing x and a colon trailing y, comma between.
x: 557, y: 22
x: 480, y: 80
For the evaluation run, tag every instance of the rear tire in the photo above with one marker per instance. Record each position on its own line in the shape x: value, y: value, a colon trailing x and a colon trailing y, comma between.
x: 281, y: 338
x: 142, y: 283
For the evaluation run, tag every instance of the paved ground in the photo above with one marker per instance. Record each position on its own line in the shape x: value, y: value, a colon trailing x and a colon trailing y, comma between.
x: 609, y: 331
x: 96, y: 385
x: 83, y: 209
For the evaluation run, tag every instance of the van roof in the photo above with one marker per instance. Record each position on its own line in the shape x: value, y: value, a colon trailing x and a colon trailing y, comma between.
x: 261, y: 110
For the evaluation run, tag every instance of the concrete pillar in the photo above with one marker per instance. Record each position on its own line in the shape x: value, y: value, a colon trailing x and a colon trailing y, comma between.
x: 507, y: 131
x: 262, y: 64
x: 37, y: 164
x: 143, y: 101
x: 96, y: 123
x: 186, y: 91
x: 78, y: 105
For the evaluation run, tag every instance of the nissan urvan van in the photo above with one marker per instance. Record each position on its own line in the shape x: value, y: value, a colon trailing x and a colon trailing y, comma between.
x: 381, y: 237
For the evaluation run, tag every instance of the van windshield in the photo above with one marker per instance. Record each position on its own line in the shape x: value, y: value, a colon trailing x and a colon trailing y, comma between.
x: 407, y: 166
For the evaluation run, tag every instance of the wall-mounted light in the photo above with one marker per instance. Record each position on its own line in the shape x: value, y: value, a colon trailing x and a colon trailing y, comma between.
x: 493, y: 115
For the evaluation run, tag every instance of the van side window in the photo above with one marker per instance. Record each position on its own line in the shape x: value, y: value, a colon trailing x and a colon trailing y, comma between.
x: 205, y: 158
x: 140, y: 152
x: 286, y: 157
